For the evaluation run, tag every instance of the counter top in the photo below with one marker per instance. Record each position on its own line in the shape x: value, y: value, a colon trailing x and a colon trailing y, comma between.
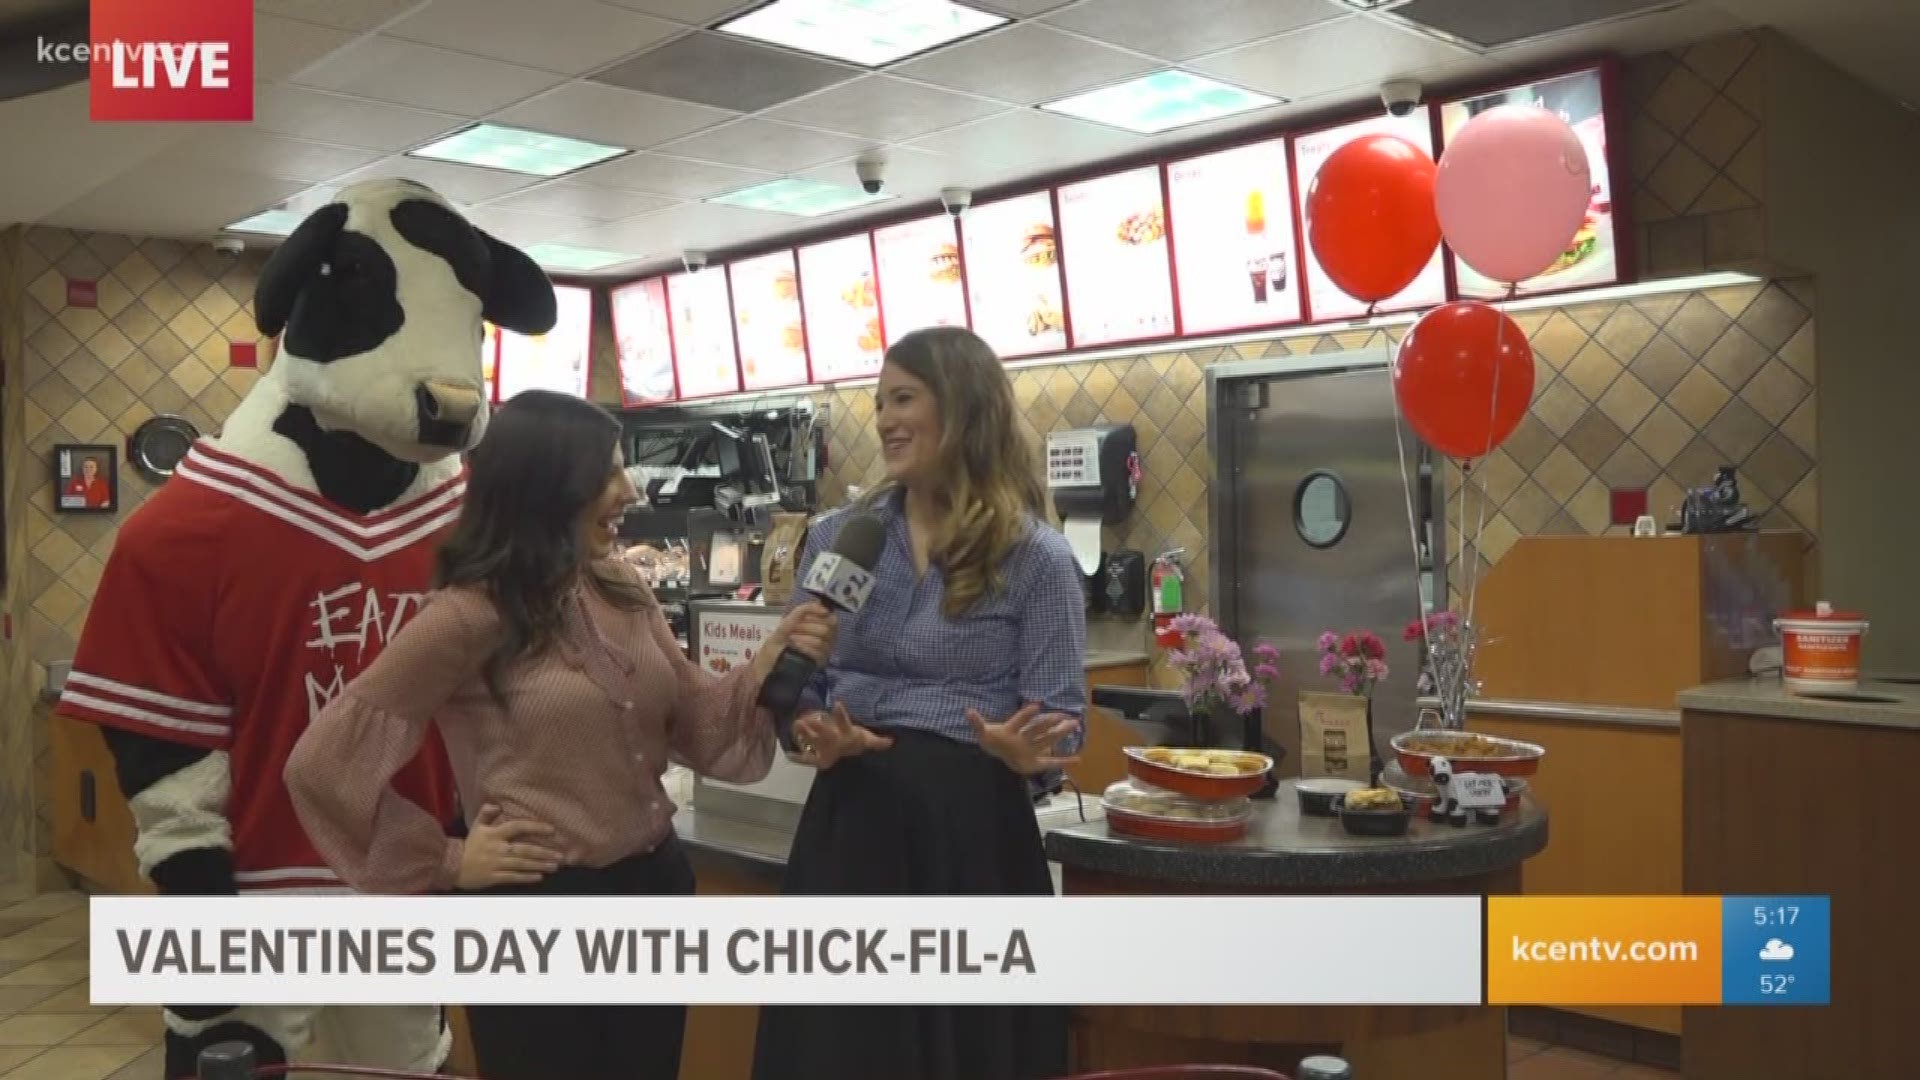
x: 1106, y: 658
x: 758, y: 849
x: 1621, y: 715
x: 1282, y: 849
x: 1877, y: 704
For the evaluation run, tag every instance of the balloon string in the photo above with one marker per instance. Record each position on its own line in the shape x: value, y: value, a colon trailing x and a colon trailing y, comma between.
x: 1413, y: 537
x: 1493, y: 414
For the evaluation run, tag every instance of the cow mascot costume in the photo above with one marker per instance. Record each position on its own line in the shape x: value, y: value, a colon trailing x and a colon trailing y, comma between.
x: 277, y: 561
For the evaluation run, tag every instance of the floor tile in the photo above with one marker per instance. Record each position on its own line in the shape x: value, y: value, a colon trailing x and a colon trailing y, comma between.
x: 58, y: 974
x: 1552, y: 1064
x: 50, y: 1029
x: 148, y: 1066
x: 20, y: 950
x: 139, y: 1026
x: 76, y: 1063
x: 15, y: 999
x: 74, y: 999
x: 10, y: 926
x: 72, y: 926
x: 45, y: 906
x: 1519, y: 1047
x: 1644, y: 1072
x: 11, y: 1056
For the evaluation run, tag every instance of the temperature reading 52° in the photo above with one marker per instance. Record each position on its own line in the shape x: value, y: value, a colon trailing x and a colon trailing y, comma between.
x: 1775, y: 984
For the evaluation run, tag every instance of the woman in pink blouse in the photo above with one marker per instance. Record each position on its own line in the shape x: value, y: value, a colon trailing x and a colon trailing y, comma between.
x: 561, y: 696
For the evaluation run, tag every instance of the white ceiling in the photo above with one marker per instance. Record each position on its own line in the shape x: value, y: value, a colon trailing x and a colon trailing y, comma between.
x: 345, y: 86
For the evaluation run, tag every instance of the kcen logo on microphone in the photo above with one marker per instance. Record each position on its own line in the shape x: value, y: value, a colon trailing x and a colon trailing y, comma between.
x: 170, y: 61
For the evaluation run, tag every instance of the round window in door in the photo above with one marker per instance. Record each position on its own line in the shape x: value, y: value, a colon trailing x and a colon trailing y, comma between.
x: 1321, y: 509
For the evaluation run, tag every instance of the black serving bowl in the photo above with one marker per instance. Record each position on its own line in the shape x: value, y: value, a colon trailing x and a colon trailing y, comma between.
x: 1320, y: 794
x: 1383, y: 822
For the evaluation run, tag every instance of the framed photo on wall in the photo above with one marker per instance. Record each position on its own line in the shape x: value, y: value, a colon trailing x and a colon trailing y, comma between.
x: 86, y: 479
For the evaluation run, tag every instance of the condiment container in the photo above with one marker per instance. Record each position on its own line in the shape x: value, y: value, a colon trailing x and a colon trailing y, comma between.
x: 1820, y: 650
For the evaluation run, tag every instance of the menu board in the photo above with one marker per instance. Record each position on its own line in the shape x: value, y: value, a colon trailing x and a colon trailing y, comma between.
x: 704, y: 361
x: 1119, y: 279
x: 490, y: 360
x: 920, y: 280
x: 1593, y: 258
x: 643, y: 342
x: 557, y: 360
x: 1236, y: 252
x: 1013, y: 276
x: 1310, y: 152
x: 766, y: 310
x: 843, y: 308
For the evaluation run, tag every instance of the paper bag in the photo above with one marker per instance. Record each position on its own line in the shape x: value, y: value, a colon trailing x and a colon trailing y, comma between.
x: 1333, y: 736
x: 781, y: 560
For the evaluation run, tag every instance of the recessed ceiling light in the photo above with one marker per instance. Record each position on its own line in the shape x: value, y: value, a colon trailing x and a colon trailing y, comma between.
x: 1161, y: 102
x: 584, y: 260
x: 806, y: 198
x: 532, y: 153
x: 867, y: 32
x: 277, y: 222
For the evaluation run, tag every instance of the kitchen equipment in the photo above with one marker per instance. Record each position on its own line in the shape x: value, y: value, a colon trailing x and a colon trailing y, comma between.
x: 1319, y: 794
x: 1158, y: 767
x: 1310, y: 522
x: 1468, y: 751
x: 1820, y: 650
x: 1140, y: 810
x: 1717, y: 507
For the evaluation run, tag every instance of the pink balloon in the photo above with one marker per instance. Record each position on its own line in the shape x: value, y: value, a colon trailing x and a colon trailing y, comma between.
x: 1513, y: 189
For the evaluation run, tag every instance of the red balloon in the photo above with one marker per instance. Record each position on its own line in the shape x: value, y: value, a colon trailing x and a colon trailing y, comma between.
x: 1371, y: 217
x: 1464, y: 378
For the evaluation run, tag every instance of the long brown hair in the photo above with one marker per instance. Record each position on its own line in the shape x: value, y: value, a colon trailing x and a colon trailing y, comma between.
x: 544, y: 460
x: 986, y: 480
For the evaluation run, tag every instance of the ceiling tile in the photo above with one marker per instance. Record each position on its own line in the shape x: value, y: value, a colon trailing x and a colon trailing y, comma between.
x: 1024, y: 137
x: 726, y: 73
x: 283, y: 48
x: 569, y: 36
x: 1027, y: 64
x: 588, y: 202
x: 909, y: 174
x: 342, y: 14
x: 262, y: 154
x: 459, y: 183
x: 694, y: 226
x: 1021, y: 7
x: 888, y: 109
x: 405, y: 73
x: 1496, y: 25
x: 201, y: 197
x: 609, y: 114
x: 1203, y: 26
x: 763, y: 144
x: 1329, y: 57
x: 691, y: 12
x: 671, y: 176
x: 346, y: 121
x: 521, y: 229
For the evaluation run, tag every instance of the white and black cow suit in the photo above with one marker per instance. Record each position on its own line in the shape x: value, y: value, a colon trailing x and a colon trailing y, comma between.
x: 278, y: 560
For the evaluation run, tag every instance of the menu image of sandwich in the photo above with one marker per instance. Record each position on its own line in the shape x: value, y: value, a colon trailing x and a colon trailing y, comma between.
x: 766, y: 307
x: 704, y: 356
x: 1119, y: 282
x: 1236, y: 249
x: 920, y: 277
x: 944, y: 267
x: 842, y: 299
x: 643, y: 345
x: 1013, y: 275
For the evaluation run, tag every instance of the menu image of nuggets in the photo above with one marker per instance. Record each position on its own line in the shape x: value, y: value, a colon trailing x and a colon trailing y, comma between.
x: 843, y: 308
x: 1310, y: 152
x: 1236, y: 251
x: 644, y: 345
x: 1118, y: 277
x: 766, y: 308
x: 703, y: 352
x: 1013, y: 276
x: 920, y: 275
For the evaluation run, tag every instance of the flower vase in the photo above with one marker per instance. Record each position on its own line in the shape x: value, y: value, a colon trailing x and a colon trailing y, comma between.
x: 1375, y: 766
x: 1253, y: 737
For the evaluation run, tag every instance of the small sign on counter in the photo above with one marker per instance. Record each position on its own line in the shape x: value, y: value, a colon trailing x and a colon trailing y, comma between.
x: 728, y: 637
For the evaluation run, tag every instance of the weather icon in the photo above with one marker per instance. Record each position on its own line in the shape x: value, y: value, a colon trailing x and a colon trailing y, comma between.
x: 1777, y: 950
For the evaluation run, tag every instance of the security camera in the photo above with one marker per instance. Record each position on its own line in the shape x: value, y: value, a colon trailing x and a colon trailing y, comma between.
x: 1401, y: 96
x: 693, y: 260
x: 956, y: 200
x: 872, y: 172
x: 229, y: 245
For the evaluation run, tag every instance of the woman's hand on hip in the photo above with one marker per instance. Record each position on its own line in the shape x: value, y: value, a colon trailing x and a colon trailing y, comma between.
x: 500, y: 852
x: 807, y: 630
x: 1025, y: 741
x: 826, y: 738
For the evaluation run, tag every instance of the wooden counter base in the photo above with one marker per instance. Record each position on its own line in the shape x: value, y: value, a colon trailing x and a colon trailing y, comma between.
x: 1433, y: 1043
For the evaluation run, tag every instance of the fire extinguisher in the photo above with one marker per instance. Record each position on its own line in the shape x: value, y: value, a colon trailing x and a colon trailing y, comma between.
x: 1169, y: 597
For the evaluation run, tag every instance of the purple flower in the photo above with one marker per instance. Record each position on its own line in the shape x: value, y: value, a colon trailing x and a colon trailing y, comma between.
x: 1329, y: 642
x: 1328, y: 663
x: 1193, y: 624
x: 1266, y: 653
x: 1266, y: 673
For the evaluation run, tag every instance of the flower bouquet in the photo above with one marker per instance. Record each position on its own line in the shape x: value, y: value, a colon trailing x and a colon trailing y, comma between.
x: 1335, y: 727
x: 1358, y: 658
x: 1448, y: 641
x: 1214, y: 672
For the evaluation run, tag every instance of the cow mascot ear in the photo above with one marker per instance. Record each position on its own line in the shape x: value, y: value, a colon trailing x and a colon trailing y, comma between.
x: 293, y: 264
x: 518, y: 295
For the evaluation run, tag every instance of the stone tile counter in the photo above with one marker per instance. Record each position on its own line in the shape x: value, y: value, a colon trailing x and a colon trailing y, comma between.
x: 1880, y: 704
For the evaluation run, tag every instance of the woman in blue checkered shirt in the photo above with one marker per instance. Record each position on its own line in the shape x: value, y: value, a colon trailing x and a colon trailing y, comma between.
x: 954, y: 695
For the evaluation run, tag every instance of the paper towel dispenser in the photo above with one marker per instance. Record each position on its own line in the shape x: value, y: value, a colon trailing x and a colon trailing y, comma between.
x: 1093, y: 472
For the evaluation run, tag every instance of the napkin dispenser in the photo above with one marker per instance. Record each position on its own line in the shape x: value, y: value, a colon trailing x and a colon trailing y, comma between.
x: 1093, y: 477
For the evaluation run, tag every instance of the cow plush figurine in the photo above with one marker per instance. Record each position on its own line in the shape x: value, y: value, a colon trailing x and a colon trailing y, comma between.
x: 280, y: 558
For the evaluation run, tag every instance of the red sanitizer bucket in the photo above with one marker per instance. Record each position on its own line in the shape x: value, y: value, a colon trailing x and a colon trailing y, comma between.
x: 1821, y: 650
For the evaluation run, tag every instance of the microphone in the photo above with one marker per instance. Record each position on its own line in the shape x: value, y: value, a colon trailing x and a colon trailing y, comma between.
x: 841, y: 578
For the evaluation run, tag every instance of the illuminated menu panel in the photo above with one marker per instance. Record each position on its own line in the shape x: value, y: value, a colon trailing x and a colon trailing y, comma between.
x: 920, y: 279
x: 489, y: 360
x: 1592, y: 259
x: 1013, y: 276
x: 643, y: 342
x: 702, y: 317
x: 843, y: 308
x: 1119, y: 280
x: 766, y: 312
x: 1310, y: 152
x: 1236, y: 250
x: 557, y: 360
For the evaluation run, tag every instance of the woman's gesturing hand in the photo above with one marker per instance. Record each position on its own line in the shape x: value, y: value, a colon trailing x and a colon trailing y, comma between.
x: 826, y: 738
x: 500, y: 852
x: 1025, y: 740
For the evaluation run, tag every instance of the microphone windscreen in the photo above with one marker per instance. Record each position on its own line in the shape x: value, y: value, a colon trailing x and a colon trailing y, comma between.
x: 861, y: 540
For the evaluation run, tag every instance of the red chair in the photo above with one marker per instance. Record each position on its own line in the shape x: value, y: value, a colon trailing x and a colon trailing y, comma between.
x: 1185, y: 1072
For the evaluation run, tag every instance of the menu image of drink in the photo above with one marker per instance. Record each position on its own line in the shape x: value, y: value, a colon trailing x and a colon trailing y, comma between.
x: 920, y: 279
x: 557, y: 360
x: 1236, y: 249
x: 1591, y: 258
x: 1013, y: 276
x: 1118, y: 275
x: 703, y: 352
x: 643, y: 343
x: 766, y: 311
x: 1310, y: 152
x: 843, y: 308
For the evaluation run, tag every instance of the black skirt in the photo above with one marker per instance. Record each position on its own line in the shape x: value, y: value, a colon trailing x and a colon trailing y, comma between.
x: 927, y: 817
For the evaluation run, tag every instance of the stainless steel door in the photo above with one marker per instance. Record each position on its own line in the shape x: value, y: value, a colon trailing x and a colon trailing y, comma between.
x: 1310, y: 525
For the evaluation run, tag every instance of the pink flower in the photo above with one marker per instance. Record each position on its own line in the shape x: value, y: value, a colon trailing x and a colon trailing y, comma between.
x: 1328, y: 642
x: 1372, y: 646
x: 1350, y: 645
x: 1266, y: 653
x: 1376, y: 670
x: 1328, y: 663
x: 1266, y: 673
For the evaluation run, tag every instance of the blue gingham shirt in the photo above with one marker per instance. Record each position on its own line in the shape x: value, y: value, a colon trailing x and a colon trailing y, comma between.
x: 902, y: 663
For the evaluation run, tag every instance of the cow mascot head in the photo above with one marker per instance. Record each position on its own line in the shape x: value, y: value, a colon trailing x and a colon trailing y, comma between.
x: 279, y: 559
